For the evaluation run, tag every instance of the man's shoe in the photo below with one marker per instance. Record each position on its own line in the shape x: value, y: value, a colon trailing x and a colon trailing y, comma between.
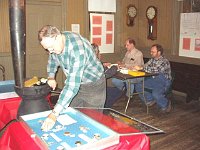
x: 168, y: 108
x: 151, y: 103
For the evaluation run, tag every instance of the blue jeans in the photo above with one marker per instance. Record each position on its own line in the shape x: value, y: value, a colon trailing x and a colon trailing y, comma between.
x: 159, y: 84
x: 121, y: 83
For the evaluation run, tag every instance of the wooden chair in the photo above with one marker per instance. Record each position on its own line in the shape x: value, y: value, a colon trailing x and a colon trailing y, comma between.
x: 3, y: 72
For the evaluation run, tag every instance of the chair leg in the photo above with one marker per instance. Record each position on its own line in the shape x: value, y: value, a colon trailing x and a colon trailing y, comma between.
x: 170, y: 97
x: 147, y: 109
x: 2, y: 68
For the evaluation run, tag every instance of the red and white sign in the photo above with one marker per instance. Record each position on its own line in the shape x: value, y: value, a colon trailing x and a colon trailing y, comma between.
x: 189, y: 44
x: 102, y: 31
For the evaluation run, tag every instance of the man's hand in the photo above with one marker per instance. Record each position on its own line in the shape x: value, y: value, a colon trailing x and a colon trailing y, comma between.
x: 119, y: 62
x: 122, y: 65
x: 138, y: 68
x: 52, y: 83
x: 106, y: 64
x: 131, y: 68
x: 49, y: 122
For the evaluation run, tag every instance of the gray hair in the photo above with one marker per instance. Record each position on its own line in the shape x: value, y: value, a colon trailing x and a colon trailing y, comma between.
x: 48, y: 31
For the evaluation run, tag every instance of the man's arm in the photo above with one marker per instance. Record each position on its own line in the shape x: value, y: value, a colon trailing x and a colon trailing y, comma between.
x: 139, y: 59
x: 52, y: 66
x: 74, y: 75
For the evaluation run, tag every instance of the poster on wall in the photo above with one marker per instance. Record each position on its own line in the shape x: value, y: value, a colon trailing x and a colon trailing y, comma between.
x: 102, y: 31
x: 75, y: 28
x: 189, y: 44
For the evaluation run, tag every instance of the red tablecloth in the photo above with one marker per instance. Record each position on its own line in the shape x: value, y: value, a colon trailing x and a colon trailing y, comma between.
x: 17, y: 137
x: 133, y: 142
x: 8, y: 110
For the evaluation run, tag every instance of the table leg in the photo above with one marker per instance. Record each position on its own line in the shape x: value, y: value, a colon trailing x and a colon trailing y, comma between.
x: 145, y: 101
x: 129, y: 95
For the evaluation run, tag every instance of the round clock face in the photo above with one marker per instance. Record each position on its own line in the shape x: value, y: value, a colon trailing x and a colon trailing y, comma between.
x: 151, y: 12
x: 132, y: 12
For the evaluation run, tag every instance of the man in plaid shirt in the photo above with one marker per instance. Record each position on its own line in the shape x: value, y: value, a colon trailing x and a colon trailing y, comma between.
x: 159, y: 65
x: 84, y: 72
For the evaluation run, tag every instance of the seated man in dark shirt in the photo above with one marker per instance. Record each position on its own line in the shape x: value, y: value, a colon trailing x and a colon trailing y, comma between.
x: 109, y: 71
x: 112, y: 93
x: 158, y: 84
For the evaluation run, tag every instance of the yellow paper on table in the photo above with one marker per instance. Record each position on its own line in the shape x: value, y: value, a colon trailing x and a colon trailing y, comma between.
x: 136, y: 73
x: 31, y: 82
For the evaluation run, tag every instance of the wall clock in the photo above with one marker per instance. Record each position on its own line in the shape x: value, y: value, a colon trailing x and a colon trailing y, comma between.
x: 151, y: 14
x: 131, y: 14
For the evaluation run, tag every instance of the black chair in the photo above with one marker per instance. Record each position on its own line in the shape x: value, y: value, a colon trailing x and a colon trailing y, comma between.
x: 169, y: 92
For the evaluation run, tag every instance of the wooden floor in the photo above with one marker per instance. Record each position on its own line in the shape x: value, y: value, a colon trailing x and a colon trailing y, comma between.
x: 181, y: 125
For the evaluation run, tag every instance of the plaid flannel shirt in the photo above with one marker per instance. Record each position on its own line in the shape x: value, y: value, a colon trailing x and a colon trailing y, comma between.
x: 160, y: 66
x: 78, y: 62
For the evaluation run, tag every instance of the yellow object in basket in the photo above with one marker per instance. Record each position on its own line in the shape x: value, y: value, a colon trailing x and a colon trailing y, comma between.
x: 136, y: 73
x: 31, y: 82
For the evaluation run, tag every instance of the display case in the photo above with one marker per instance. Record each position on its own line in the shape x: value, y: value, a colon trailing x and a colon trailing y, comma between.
x: 73, y: 130
x: 86, y: 128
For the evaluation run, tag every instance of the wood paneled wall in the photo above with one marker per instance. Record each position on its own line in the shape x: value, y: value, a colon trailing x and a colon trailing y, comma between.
x: 165, y: 27
x: 4, y: 27
x: 75, y: 12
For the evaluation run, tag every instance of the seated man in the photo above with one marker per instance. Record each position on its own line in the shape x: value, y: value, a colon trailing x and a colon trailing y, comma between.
x: 133, y: 57
x: 112, y: 93
x: 158, y: 84
x: 109, y: 71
